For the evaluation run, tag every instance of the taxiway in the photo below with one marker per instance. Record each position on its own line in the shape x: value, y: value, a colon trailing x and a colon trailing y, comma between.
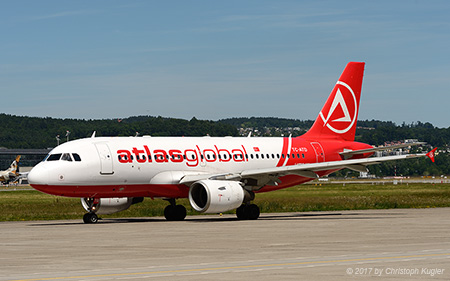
x: 401, y: 244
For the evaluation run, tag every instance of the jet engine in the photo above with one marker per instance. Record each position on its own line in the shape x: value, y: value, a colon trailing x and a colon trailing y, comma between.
x: 106, y: 206
x: 216, y: 196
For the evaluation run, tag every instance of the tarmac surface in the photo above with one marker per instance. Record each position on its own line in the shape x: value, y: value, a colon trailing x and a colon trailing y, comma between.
x: 400, y: 244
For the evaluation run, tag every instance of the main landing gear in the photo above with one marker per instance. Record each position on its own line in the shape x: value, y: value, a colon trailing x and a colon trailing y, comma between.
x: 248, y: 212
x: 174, y: 212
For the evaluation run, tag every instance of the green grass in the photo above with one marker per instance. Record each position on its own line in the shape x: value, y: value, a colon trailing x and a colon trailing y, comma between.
x: 33, y: 205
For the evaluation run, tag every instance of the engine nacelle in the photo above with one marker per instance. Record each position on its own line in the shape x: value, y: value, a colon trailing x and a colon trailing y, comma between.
x: 106, y: 206
x: 215, y: 196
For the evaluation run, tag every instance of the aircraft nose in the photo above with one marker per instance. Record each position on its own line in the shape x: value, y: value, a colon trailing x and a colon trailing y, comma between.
x: 38, y: 176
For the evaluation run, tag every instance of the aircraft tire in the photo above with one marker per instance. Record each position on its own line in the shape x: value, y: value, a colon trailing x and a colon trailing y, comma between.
x: 175, y: 213
x: 253, y: 212
x: 90, y: 218
x: 248, y: 212
x: 240, y: 213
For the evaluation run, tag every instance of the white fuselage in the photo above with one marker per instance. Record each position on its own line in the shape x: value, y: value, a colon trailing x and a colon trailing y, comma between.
x: 127, y: 166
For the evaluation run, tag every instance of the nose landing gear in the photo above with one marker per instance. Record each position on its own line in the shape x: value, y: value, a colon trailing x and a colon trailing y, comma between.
x: 90, y: 204
x: 90, y: 218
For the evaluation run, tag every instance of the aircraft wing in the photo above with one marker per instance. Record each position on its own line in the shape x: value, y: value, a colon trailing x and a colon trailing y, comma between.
x: 353, y: 164
x: 305, y: 170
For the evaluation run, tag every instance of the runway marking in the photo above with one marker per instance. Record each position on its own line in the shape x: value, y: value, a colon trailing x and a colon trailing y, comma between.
x: 165, y: 273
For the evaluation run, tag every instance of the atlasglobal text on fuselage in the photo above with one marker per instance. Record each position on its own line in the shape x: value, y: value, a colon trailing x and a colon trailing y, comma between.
x: 217, y: 174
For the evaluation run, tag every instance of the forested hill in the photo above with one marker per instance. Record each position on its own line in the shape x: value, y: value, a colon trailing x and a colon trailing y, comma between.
x: 34, y: 132
x: 373, y: 132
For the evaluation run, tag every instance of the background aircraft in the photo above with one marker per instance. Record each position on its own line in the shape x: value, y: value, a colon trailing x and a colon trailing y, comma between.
x: 110, y: 174
x: 12, y: 174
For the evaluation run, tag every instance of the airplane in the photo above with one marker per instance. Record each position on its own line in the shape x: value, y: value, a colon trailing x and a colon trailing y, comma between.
x: 217, y: 174
x: 12, y: 174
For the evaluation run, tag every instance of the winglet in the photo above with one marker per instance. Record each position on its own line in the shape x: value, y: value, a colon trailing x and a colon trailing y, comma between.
x: 431, y: 154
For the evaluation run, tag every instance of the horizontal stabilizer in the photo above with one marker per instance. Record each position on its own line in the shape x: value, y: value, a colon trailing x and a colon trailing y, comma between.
x: 350, y: 153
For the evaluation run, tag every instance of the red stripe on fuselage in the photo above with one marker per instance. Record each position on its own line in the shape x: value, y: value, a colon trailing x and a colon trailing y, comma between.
x: 111, y: 191
x: 284, y: 151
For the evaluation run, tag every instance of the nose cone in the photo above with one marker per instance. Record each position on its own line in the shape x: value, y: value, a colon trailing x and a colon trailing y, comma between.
x: 38, y: 176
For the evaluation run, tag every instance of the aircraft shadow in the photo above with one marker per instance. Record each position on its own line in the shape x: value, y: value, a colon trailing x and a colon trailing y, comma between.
x: 227, y: 218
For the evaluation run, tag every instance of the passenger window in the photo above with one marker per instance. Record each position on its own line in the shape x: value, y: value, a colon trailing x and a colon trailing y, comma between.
x: 54, y: 157
x: 76, y: 157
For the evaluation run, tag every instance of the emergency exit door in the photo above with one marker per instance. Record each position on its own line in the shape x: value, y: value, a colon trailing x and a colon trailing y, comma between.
x: 320, y: 155
x: 106, y: 163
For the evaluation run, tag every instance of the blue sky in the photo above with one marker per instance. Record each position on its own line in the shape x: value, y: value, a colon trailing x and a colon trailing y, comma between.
x: 221, y: 59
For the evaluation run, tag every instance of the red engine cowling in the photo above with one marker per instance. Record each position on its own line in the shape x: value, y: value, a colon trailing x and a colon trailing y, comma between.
x: 215, y: 196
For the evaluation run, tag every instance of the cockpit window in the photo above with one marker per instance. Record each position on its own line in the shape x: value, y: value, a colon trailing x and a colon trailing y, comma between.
x: 66, y: 157
x: 76, y: 157
x: 63, y: 157
x: 54, y: 157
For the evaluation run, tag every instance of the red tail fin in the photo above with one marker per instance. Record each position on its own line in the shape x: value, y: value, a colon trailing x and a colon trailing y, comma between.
x: 337, y: 119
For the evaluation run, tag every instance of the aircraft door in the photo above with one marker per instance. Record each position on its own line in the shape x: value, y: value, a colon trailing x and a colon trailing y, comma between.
x: 320, y: 155
x: 106, y: 163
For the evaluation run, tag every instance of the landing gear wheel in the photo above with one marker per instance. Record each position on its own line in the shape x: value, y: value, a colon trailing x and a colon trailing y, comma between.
x: 90, y: 218
x: 175, y: 213
x: 240, y: 213
x: 248, y: 212
x: 253, y: 212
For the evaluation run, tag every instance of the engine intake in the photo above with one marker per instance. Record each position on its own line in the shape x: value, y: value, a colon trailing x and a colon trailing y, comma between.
x: 215, y: 196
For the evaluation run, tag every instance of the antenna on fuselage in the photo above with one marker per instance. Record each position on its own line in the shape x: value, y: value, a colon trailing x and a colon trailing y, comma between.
x: 93, y: 135
x: 249, y: 134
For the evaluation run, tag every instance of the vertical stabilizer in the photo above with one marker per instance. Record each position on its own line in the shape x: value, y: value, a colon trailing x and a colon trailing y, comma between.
x: 337, y: 119
x: 14, y: 168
